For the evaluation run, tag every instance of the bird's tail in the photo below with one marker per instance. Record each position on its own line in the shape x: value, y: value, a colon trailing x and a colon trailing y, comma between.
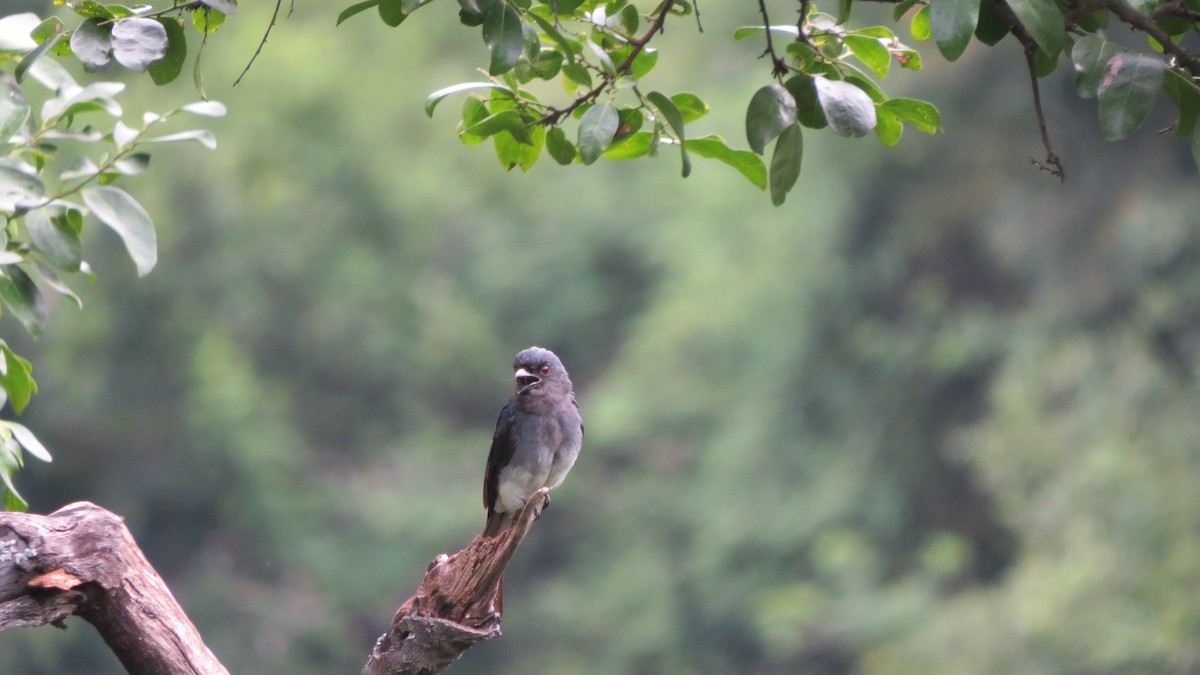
x: 498, y: 522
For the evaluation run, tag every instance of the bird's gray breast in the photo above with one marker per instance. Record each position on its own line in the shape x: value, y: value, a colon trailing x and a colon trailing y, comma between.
x: 545, y: 449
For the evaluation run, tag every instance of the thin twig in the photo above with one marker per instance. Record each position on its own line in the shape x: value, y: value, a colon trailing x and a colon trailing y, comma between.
x: 699, y: 25
x: 553, y: 115
x: 263, y: 42
x: 1131, y: 16
x: 1052, y: 165
x: 778, y: 66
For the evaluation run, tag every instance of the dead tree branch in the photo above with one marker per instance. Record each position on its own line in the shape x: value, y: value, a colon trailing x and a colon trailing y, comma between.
x: 456, y: 606
x: 82, y: 560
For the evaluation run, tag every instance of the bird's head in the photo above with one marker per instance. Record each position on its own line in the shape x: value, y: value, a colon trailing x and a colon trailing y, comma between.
x: 538, y: 371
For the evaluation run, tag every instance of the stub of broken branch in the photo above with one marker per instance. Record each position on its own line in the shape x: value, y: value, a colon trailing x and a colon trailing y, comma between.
x: 456, y: 606
x: 82, y: 560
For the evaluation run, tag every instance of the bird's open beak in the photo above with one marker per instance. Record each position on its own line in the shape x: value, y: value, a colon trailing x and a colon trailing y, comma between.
x: 525, y: 379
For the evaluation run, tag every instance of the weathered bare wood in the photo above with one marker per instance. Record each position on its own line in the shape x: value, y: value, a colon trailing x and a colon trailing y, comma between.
x: 82, y: 560
x: 457, y: 605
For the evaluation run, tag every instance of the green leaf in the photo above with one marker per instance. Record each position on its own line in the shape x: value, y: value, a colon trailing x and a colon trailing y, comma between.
x: 50, y: 278
x: 637, y: 145
x: 533, y: 43
x: 136, y: 43
x: 26, y: 63
x: 505, y: 120
x: 166, y: 69
x: 202, y: 136
x: 1091, y: 55
x: 116, y: 209
x: 569, y: 47
x: 870, y: 51
x: 845, y: 7
x: 888, y: 126
x: 670, y: 113
x: 356, y: 8
x: 691, y: 108
x: 13, y: 501
x: 223, y: 6
x: 596, y: 130
x: 808, y: 105
x: 772, y: 109
x: 207, y: 20
x: 577, y: 73
x: 559, y: 147
x: 642, y: 64
x: 747, y: 163
x: 907, y: 57
x: 1127, y: 93
x: 952, y: 23
x: 629, y: 20
x: 513, y: 153
x: 473, y: 112
x: 436, y: 97
x: 992, y: 25
x: 747, y: 31
x: 14, y: 106
x: 17, y: 379
x: 848, y: 109
x: 1044, y: 22
x: 919, y: 27
x: 921, y: 114
x: 410, y: 6
x: 902, y: 8
x: 548, y: 64
x: 674, y: 119
x: 504, y: 36
x: 1183, y: 91
x: 785, y: 163
x: 392, y: 12
x: 55, y: 238
x: 92, y: 43
x: 606, y: 61
x: 629, y: 122
x: 206, y: 108
x: 23, y: 298
x: 19, y: 184
x: 93, y: 9
x: 30, y: 442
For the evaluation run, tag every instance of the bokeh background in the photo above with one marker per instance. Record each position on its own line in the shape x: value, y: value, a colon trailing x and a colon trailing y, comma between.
x: 936, y: 414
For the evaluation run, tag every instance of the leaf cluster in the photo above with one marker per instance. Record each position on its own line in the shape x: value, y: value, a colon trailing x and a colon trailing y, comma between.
x: 63, y: 147
x: 825, y: 72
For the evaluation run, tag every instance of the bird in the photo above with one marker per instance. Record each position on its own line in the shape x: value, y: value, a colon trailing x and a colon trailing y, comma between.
x: 538, y: 437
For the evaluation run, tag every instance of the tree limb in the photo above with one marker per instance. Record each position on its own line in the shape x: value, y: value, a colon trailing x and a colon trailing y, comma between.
x: 553, y: 115
x: 1131, y: 16
x: 82, y: 560
x: 456, y: 606
x: 1052, y: 165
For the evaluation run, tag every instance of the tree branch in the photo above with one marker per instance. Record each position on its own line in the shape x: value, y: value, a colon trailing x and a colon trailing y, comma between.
x: 778, y: 66
x: 82, y: 560
x: 1129, y: 15
x: 553, y: 115
x: 457, y: 605
x: 1052, y: 165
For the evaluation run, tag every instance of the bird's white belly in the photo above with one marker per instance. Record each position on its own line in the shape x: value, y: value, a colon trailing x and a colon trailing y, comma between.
x: 518, y: 485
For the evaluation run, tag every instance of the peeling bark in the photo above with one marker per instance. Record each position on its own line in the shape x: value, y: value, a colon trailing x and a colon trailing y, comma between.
x: 457, y: 605
x: 82, y: 560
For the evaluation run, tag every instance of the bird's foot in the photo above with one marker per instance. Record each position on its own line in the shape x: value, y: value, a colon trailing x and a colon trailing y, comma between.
x: 537, y: 512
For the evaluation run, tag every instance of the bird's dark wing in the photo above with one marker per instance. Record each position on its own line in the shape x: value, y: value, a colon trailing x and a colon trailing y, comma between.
x: 500, y: 454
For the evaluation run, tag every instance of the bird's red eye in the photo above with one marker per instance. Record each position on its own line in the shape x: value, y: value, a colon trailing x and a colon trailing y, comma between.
x: 545, y: 370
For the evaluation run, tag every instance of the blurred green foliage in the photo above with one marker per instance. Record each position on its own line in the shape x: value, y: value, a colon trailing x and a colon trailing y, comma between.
x: 934, y: 416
